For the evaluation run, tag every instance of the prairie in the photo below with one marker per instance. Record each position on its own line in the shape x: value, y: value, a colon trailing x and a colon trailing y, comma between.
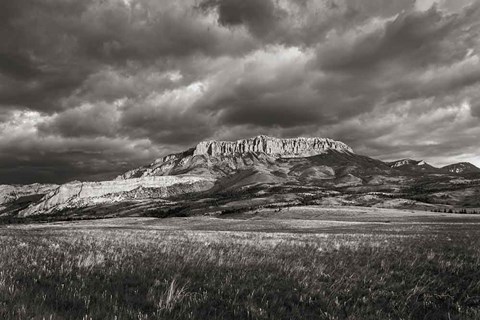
x: 303, y: 263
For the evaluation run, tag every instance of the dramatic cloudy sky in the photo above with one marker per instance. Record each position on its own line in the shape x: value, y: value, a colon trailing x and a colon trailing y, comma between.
x: 91, y: 88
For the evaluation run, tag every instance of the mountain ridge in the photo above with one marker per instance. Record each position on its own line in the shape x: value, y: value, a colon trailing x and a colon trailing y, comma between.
x: 260, y: 146
x: 278, y: 147
x: 291, y: 169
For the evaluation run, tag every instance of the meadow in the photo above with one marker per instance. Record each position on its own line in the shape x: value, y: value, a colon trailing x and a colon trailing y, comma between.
x: 243, y: 268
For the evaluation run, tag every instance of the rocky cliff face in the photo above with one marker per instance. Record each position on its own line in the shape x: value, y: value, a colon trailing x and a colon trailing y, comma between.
x: 10, y: 193
x: 282, y: 148
x: 80, y: 194
x: 219, y: 158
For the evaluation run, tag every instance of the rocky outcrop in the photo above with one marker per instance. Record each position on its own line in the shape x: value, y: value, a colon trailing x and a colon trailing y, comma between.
x: 220, y: 158
x: 284, y: 148
x: 10, y: 193
x: 79, y: 194
x: 408, y: 162
x: 462, y: 167
x: 413, y: 166
x: 403, y: 162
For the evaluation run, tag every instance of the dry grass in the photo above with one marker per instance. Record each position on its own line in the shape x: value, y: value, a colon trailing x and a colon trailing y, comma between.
x: 129, y: 273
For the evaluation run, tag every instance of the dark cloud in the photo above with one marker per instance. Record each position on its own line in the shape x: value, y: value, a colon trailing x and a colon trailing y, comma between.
x: 98, y: 120
x: 409, y: 56
x: 260, y: 17
x: 384, y: 60
x: 168, y: 119
x: 36, y: 65
x: 299, y: 22
x: 413, y: 37
x: 18, y: 66
x: 42, y: 92
x: 270, y: 88
x: 90, y: 88
x: 147, y: 30
x: 49, y: 48
x: 30, y: 157
x: 475, y: 108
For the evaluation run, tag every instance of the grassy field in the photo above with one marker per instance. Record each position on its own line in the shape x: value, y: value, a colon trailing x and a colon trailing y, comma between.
x: 311, y: 263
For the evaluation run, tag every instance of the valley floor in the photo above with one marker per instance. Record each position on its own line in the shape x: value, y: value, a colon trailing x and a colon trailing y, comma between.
x: 295, y: 263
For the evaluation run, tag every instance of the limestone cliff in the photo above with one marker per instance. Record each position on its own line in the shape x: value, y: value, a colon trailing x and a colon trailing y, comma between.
x: 219, y: 158
x: 10, y: 193
x: 284, y: 148
x: 79, y: 194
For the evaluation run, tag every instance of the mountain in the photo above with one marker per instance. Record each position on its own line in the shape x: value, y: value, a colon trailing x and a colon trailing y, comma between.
x: 461, y: 167
x: 220, y: 176
x: 402, y: 163
x: 412, y: 165
x: 219, y: 166
x: 219, y: 158
x: 265, y: 160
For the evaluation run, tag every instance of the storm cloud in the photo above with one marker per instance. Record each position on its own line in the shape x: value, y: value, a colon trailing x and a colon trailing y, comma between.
x: 89, y: 89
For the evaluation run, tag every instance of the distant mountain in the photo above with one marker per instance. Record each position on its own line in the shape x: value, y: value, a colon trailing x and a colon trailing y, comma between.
x: 402, y: 163
x: 412, y: 165
x: 219, y: 158
x: 213, y: 174
x: 266, y: 160
x: 461, y: 167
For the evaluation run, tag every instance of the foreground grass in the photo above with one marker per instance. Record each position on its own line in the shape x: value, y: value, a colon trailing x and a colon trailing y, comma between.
x: 148, y: 274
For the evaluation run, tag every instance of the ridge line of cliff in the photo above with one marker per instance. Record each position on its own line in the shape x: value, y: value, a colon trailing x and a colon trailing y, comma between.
x: 289, y: 147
